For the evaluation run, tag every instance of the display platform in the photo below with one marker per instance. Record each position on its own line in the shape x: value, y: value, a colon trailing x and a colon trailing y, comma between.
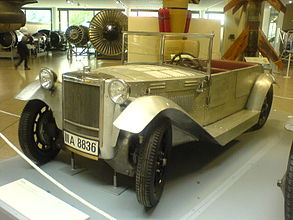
x: 204, y: 182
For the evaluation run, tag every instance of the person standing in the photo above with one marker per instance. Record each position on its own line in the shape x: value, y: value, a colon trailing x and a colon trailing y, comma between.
x: 23, y: 52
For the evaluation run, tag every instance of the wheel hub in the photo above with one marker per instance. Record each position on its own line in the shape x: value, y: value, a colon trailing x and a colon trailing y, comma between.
x: 46, y: 129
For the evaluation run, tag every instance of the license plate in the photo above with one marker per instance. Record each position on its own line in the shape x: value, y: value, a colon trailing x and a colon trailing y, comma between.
x: 81, y: 144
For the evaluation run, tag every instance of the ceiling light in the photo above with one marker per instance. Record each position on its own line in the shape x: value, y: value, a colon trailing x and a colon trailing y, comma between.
x: 121, y: 3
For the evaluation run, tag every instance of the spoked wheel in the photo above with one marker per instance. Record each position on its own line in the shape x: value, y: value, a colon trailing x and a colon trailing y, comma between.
x: 265, y: 110
x: 38, y: 132
x: 152, y: 162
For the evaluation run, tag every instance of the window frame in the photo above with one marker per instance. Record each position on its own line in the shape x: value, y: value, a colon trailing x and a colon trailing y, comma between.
x: 24, y: 9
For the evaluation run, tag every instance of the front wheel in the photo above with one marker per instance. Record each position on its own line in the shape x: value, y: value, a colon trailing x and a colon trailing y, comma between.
x: 152, y: 162
x: 38, y: 132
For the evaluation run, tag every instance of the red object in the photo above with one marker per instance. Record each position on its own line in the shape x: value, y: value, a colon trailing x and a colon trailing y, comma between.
x: 164, y: 20
x: 166, y: 16
x: 187, y: 25
x: 161, y: 20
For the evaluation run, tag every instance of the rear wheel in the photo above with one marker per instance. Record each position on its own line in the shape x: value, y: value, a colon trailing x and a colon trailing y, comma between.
x: 152, y: 162
x: 38, y: 132
x: 265, y: 110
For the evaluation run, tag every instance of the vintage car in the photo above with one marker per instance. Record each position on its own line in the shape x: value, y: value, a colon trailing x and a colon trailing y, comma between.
x: 130, y: 115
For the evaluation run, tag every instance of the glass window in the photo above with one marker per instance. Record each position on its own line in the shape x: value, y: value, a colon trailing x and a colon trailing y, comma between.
x: 272, y: 30
x: 80, y: 17
x: 37, y: 19
x: 39, y: 16
x: 133, y: 14
x: 195, y: 15
x: 216, y: 16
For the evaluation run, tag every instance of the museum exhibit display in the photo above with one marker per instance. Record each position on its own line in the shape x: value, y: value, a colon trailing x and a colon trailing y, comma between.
x: 105, y: 32
x: 77, y: 35
x: 57, y: 40
x: 40, y: 42
x: 11, y: 16
x: 9, y: 39
x: 125, y: 114
x: 8, y: 43
x: 252, y: 40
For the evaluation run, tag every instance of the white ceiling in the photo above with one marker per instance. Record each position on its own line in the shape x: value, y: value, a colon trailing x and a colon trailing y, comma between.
x: 135, y: 4
x: 211, y: 5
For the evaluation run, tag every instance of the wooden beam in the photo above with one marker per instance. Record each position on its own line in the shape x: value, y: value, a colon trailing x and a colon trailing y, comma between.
x: 232, y: 4
x: 237, y: 7
x: 267, y: 50
x: 238, y: 47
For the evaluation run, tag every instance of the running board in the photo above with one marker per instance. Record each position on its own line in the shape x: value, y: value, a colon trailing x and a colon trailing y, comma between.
x: 229, y: 128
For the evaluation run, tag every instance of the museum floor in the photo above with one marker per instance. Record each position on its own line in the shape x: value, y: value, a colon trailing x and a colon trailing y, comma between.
x: 235, y: 182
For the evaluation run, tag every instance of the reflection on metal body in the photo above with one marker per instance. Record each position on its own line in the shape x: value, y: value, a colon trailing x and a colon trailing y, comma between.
x: 11, y: 16
x: 51, y: 98
x: 229, y: 92
x: 259, y: 91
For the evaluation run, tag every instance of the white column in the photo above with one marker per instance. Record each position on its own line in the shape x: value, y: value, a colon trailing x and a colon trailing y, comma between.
x: 55, y: 19
x: 127, y: 11
x: 202, y: 13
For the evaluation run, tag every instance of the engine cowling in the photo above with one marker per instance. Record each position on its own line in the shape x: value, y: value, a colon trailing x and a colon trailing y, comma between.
x: 11, y: 16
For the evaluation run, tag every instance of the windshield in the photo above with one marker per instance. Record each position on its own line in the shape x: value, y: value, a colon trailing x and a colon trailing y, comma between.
x: 187, y: 50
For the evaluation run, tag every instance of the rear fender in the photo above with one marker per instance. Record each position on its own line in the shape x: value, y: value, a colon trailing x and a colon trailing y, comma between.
x: 259, y: 91
x: 52, y: 98
x: 142, y: 111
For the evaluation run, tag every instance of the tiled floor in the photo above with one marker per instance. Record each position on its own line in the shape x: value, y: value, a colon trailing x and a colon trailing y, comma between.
x: 12, y: 81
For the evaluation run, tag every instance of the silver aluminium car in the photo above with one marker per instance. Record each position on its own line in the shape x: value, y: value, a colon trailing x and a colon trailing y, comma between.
x: 131, y: 115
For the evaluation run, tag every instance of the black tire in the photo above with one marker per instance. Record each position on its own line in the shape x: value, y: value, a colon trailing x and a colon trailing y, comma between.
x: 38, y: 132
x: 289, y: 188
x: 265, y: 110
x: 152, y: 162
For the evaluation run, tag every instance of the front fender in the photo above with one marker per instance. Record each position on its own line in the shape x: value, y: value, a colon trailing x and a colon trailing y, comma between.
x: 139, y: 113
x: 259, y: 92
x: 52, y: 98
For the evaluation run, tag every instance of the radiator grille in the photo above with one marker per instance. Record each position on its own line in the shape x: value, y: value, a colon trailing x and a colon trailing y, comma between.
x: 81, y: 107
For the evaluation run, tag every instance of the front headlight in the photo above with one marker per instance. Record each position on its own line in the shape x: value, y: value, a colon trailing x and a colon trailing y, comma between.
x: 118, y: 91
x: 47, y: 78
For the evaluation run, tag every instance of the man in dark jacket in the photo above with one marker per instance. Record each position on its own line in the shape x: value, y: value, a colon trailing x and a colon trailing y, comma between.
x: 23, y: 52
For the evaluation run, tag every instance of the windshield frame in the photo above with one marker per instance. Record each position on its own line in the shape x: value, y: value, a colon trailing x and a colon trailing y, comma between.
x: 163, y: 37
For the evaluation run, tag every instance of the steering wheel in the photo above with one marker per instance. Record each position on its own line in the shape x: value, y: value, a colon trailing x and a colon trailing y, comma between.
x: 192, y: 62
